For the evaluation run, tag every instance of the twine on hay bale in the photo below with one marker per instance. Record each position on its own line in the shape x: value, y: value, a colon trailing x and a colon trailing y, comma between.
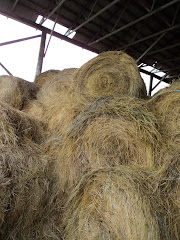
x: 60, y: 105
x: 110, y: 73
x: 45, y: 77
x: 110, y: 132
x: 166, y: 105
x: 113, y: 203
x: 31, y: 197
x: 16, y: 91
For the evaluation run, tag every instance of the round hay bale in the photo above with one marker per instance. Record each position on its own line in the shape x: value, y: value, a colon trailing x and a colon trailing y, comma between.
x: 60, y: 105
x: 16, y: 91
x: 112, y: 203
x: 110, y: 132
x: 166, y: 105
x: 45, y: 77
x: 29, y: 190
x: 110, y: 73
x: 33, y: 200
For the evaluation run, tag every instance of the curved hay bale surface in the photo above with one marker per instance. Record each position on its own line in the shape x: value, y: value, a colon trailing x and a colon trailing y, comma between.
x: 29, y: 191
x: 169, y: 175
x: 166, y: 105
x: 59, y: 102
x: 16, y: 91
x: 47, y: 76
x: 114, y: 203
x: 110, y: 73
x: 110, y: 132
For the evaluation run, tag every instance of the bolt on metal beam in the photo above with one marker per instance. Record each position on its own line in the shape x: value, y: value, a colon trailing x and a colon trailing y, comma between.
x: 135, y: 21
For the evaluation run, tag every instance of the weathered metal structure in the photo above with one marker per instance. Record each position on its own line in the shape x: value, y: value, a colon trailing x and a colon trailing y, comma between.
x: 148, y: 30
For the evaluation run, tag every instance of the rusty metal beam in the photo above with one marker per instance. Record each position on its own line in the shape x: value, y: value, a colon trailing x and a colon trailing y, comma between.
x: 18, y: 40
x: 48, y: 31
x: 136, y: 21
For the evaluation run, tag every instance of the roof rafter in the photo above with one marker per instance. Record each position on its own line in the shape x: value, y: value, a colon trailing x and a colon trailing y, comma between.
x: 150, y: 36
x: 136, y: 21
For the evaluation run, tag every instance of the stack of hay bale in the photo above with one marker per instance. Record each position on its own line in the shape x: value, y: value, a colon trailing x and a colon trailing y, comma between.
x: 99, y: 159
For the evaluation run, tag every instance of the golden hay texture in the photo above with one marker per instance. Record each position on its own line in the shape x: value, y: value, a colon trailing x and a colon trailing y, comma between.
x: 169, y: 175
x: 24, y: 127
x: 60, y: 105
x: 34, y: 108
x: 166, y: 105
x: 108, y: 133
x: 47, y: 76
x: 110, y: 73
x: 16, y: 91
x: 28, y: 188
x: 114, y: 204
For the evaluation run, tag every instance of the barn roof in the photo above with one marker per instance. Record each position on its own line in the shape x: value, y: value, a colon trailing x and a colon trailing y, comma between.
x: 148, y: 30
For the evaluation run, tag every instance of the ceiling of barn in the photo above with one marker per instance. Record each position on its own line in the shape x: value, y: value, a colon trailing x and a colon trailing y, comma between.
x: 148, y: 30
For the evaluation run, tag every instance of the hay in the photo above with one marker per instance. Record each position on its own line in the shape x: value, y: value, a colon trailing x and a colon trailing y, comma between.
x: 169, y: 175
x: 166, y: 105
x: 110, y: 73
x: 16, y: 91
x: 31, y: 198
x: 113, y: 204
x: 60, y: 105
x: 34, y: 108
x: 24, y: 127
x: 110, y: 132
x: 45, y: 77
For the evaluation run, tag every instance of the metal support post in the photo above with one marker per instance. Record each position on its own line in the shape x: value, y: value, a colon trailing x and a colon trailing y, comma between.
x: 150, y: 85
x: 41, y: 54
